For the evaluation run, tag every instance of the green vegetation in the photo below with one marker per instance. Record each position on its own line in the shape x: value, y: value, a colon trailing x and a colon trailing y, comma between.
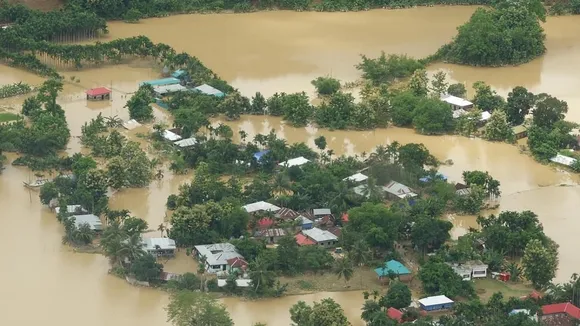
x: 139, y: 105
x: 326, y: 85
x: 14, y: 89
x: 7, y: 116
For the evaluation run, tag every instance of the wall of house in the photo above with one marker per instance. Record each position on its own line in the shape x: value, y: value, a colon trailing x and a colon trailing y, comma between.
x: 557, y: 320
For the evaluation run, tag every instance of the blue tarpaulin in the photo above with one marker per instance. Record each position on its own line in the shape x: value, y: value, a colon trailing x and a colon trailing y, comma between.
x: 438, y: 175
x: 258, y: 155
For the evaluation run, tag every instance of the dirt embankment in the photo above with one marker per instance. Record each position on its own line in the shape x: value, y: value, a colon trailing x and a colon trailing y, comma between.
x: 45, y: 5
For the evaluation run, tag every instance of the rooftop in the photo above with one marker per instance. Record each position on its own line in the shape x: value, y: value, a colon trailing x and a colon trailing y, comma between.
x: 170, y: 135
x: 438, y: 175
x: 303, y: 220
x: 131, y: 124
x: 187, y: 142
x: 319, y: 235
x: 395, y: 314
x: 243, y: 283
x: 260, y: 206
x: 295, y: 162
x: 358, y: 177
x: 209, y: 90
x: 166, y: 89
x: 392, y: 266
x: 178, y: 73
x: 270, y: 233
x: 321, y: 211
x: 218, y: 253
x: 286, y: 213
x: 435, y: 300
x: 561, y: 308
x: 399, y: 190
x: 265, y: 223
x: 72, y: 209
x: 92, y: 220
x: 519, y: 129
x: 258, y: 155
x: 159, y: 82
x: 303, y: 240
x: 98, y: 91
x: 485, y: 116
x: 457, y: 101
x: 237, y: 262
x: 562, y: 159
x: 152, y: 244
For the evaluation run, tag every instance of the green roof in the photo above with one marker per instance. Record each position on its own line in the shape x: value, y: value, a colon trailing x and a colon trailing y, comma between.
x: 394, y: 267
x: 519, y: 129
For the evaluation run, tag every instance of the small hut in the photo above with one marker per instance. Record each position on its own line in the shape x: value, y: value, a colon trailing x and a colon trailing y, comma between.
x: 98, y: 94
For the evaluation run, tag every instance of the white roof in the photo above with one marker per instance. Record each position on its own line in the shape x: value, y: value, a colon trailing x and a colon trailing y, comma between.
x: 218, y: 253
x: 295, y: 162
x: 187, y: 142
x: 435, y: 300
x: 457, y: 101
x: 165, y: 89
x: 356, y: 177
x: 319, y: 235
x: 131, y: 124
x: 243, y: 283
x: 458, y: 113
x: 209, y: 90
x: 321, y: 211
x: 92, y: 220
x: 485, y: 116
x: 303, y: 220
x: 261, y: 206
x: 71, y: 209
x: 150, y: 244
x: 399, y: 190
x: 170, y: 135
x: 564, y: 160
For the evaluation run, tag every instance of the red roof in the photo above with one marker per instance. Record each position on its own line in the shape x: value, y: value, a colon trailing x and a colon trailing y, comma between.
x: 303, y: 240
x: 265, y: 223
x: 395, y: 314
x: 98, y: 91
x: 237, y: 262
x: 561, y: 308
x: 345, y: 217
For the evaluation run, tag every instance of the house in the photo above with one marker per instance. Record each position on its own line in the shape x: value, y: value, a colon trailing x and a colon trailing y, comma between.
x: 303, y: 240
x: 217, y: 256
x: 520, y: 132
x: 323, y: 216
x: 264, y: 223
x: 397, y: 190
x: 484, y: 117
x: 438, y: 175
x: 336, y: 230
x: 237, y: 264
x: 209, y: 90
x: 240, y: 282
x: 527, y: 312
x: 457, y: 103
x: 436, y: 303
x: 180, y: 73
x: 305, y: 223
x: 463, y: 192
x: 166, y: 276
x: 470, y: 269
x: 72, y: 209
x: 161, y: 82
x: 358, y: 177
x: 93, y: 221
x: 260, y: 206
x: 560, y: 314
x: 564, y: 160
x: 270, y: 235
x: 164, y: 90
x: 320, y: 212
x: 320, y: 237
x: 185, y: 143
x: 170, y: 135
x: 98, y: 94
x: 394, y: 267
x: 395, y: 314
x: 131, y: 124
x: 160, y: 246
x: 298, y: 161
x: 258, y: 155
x: 286, y: 214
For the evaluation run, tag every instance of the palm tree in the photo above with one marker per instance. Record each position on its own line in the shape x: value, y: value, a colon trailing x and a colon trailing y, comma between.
x: 259, y: 274
x: 342, y: 200
x: 132, y: 248
x: 161, y: 228
x: 201, y: 271
x: 372, y: 191
x: 112, y: 242
x: 84, y: 234
x: 281, y: 183
x: 343, y: 269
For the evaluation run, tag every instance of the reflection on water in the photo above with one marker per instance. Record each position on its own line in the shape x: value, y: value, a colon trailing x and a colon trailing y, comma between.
x: 270, y: 52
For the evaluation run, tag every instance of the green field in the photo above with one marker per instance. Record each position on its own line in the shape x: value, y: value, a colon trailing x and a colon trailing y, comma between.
x: 6, y: 116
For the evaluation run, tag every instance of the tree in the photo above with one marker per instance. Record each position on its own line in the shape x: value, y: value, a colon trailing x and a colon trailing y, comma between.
x: 386, y: 69
x: 258, y: 104
x: 433, y: 116
x: 31, y: 107
x: 398, y: 296
x: 146, y: 269
x: 132, y: 248
x: 326, y: 85
x: 233, y: 105
x: 519, y: 104
x: 84, y: 234
x: 188, y: 308
x: 457, y: 90
x: 336, y: 113
x: 288, y: 254
x: 439, y: 84
x: 418, y: 82
x: 413, y: 156
x: 112, y: 243
x: 548, y: 110
x: 325, y: 312
x: 498, y: 128
x: 320, y: 142
x: 190, y: 121
x: 540, y: 262
x: 134, y: 225
x: 343, y: 269
x: 139, y: 104
x: 403, y: 106
x: 485, y: 98
x: 487, y: 39
x: 467, y: 124
x: 483, y: 180
x: 429, y: 233
x: 439, y: 278
x: 262, y: 278
x: 297, y: 109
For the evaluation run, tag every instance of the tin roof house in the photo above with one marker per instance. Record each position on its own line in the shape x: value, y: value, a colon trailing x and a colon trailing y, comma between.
x: 436, y: 303
x: 159, y: 246
x: 217, y: 256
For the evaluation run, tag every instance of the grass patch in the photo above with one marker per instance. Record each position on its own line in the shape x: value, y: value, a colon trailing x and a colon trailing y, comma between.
x: 7, y: 116
x: 485, y: 288
x: 305, y: 285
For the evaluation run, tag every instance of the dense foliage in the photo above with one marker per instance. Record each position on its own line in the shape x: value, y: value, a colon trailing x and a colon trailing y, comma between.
x: 14, y: 89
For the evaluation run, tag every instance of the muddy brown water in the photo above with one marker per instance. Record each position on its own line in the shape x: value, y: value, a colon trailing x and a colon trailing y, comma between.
x: 270, y: 52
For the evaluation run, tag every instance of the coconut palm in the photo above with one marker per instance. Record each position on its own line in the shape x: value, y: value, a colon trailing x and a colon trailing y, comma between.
x: 341, y: 202
x: 113, y: 122
x: 132, y: 248
x: 343, y: 269
x: 161, y: 228
x: 84, y: 234
x: 259, y: 274
x: 112, y: 242
x: 281, y: 183
x: 371, y: 191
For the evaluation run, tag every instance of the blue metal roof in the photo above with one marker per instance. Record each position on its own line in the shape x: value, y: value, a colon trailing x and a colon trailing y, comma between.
x: 258, y: 155
x: 394, y: 266
x: 428, y: 178
x: 178, y: 73
x: 209, y: 90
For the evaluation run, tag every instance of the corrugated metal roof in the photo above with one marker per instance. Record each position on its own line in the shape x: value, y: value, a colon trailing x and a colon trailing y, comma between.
x: 159, y: 82
x: 167, y: 89
x: 187, y: 142
x: 171, y: 136
x: 92, y: 220
x: 358, y: 177
x: 319, y: 235
x: 260, y: 206
x: 321, y: 211
x: 131, y: 124
x: 295, y: 162
x: 150, y: 244
x: 564, y: 160
x: 457, y: 101
x: 435, y: 300
x: 209, y: 90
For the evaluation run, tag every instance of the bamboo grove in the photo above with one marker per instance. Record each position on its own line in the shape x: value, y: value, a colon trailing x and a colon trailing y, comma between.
x: 41, y: 42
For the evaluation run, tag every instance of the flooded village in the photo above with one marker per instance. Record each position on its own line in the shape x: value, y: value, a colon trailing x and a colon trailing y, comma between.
x: 273, y: 52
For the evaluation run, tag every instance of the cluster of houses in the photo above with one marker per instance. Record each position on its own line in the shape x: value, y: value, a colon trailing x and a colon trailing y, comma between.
x: 462, y: 106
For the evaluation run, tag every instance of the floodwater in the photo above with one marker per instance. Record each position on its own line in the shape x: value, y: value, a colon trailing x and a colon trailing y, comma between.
x: 271, y: 52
